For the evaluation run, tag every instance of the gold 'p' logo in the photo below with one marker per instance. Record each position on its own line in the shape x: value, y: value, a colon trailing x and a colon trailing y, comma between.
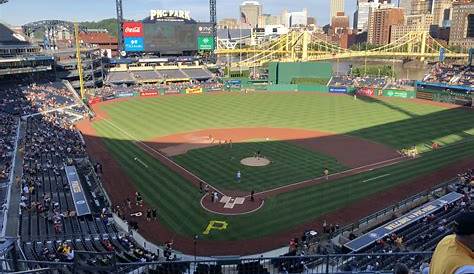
x: 215, y: 225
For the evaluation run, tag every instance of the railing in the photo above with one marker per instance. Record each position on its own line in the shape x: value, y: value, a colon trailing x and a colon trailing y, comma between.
x: 321, y: 264
x: 393, y: 208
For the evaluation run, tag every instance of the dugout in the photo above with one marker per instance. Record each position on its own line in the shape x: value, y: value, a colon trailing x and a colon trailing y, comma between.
x: 285, y: 72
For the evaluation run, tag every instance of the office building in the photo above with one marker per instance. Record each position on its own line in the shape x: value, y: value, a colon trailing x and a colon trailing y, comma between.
x: 336, y: 6
x: 251, y: 13
x: 295, y: 18
x: 380, y: 23
x: 361, y: 15
x: 441, y: 10
x: 406, y: 5
x: 421, y: 22
x: 421, y: 7
x: 228, y: 23
x: 462, y: 25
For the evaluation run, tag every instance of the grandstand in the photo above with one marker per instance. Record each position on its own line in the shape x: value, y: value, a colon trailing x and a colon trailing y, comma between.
x: 157, y: 74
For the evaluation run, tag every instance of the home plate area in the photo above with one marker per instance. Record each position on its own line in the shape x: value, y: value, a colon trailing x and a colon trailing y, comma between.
x: 230, y: 202
x: 229, y: 205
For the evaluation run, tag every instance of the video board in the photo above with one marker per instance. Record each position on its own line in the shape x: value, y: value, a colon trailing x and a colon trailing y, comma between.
x: 170, y: 37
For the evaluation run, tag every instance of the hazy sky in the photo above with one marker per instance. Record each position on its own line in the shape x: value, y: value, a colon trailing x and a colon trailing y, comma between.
x: 18, y: 12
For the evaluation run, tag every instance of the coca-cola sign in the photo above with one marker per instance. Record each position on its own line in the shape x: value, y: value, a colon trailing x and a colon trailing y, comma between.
x: 132, y: 29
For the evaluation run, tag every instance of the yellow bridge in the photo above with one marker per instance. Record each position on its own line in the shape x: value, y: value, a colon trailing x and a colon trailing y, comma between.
x: 303, y: 46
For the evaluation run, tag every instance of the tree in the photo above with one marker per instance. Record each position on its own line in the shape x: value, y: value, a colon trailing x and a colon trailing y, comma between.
x: 110, y: 25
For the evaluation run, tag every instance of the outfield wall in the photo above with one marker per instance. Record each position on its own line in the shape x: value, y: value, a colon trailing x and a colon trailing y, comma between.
x: 285, y: 72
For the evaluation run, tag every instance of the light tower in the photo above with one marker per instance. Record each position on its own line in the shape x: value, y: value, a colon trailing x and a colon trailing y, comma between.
x: 118, y: 4
x: 213, y: 19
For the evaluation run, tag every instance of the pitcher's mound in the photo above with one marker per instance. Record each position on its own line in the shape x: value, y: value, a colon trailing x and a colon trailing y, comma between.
x: 254, y: 161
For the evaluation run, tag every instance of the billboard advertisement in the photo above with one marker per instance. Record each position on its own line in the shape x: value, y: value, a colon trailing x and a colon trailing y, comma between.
x: 134, y: 44
x: 205, y: 43
x: 132, y: 29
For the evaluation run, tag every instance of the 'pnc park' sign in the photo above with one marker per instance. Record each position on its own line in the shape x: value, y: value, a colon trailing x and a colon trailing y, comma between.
x: 170, y: 14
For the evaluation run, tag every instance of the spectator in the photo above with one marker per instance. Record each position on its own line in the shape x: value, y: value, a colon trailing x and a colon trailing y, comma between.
x: 454, y: 254
x: 401, y: 269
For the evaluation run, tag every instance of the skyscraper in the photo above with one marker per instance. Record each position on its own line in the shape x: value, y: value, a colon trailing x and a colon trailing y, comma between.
x: 441, y: 10
x: 381, y: 21
x: 251, y: 13
x: 336, y: 6
x: 406, y: 5
x: 361, y: 15
x: 462, y: 25
x: 421, y: 7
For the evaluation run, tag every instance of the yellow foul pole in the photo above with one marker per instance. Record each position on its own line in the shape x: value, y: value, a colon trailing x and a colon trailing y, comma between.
x: 79, y: 60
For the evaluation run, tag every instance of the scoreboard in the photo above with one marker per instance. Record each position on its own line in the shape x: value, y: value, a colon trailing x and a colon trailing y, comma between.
x: 168, y: 37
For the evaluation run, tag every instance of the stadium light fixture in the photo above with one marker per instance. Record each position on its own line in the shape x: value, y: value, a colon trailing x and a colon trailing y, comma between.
x: 3, y: 1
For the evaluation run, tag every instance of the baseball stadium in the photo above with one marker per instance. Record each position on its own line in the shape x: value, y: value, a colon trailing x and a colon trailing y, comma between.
x: 172, y: 150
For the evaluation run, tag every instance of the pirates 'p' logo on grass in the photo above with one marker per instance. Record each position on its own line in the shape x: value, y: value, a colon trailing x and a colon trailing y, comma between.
x: 215, y: 225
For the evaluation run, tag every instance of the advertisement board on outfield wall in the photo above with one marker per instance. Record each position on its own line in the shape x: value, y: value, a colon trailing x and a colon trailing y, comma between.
x: 124, y: 94
x: 108, y: 97
x: 193, y: 90
x: 149, y: 93
x: 171, y: 91
x: 406, y: 94
x: 94, y: 100
x: 337, y: 89
x: 366, y: 92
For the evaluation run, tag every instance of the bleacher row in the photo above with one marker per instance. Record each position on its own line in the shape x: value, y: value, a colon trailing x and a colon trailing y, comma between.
x: 49, y: 227
x: 351, y: 81
x: 178, y: 74
x: 451, y: 74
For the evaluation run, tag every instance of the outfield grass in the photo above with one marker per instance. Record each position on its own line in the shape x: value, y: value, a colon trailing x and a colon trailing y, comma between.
x: 397, y: 123
x: 289, y: 164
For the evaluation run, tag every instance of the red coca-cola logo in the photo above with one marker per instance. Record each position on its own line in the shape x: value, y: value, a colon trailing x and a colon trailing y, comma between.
x: 132, y: 29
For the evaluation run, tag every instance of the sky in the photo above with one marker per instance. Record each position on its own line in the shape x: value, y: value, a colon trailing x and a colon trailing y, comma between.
x: 19, y: 12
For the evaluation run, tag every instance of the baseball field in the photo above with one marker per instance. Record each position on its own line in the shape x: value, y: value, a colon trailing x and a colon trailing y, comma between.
x: 169, y: 148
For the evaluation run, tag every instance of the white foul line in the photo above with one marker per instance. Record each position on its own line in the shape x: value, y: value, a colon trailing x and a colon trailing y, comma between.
x: 140, y: 161
x: 389, y: 161
x: 159, y: 153
x: 375, y: 178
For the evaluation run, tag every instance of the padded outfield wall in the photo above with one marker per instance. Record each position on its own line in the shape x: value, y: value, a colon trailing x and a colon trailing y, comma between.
x: 284, y: 72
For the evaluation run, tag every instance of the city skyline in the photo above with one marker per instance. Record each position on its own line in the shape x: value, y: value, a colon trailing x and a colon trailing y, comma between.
x: 31, y: 10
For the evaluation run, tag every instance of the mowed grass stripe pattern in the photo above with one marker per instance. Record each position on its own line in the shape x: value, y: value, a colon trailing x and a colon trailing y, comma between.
x: 387, y: 121
x: 218, y: 165
x: 178, y: 201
